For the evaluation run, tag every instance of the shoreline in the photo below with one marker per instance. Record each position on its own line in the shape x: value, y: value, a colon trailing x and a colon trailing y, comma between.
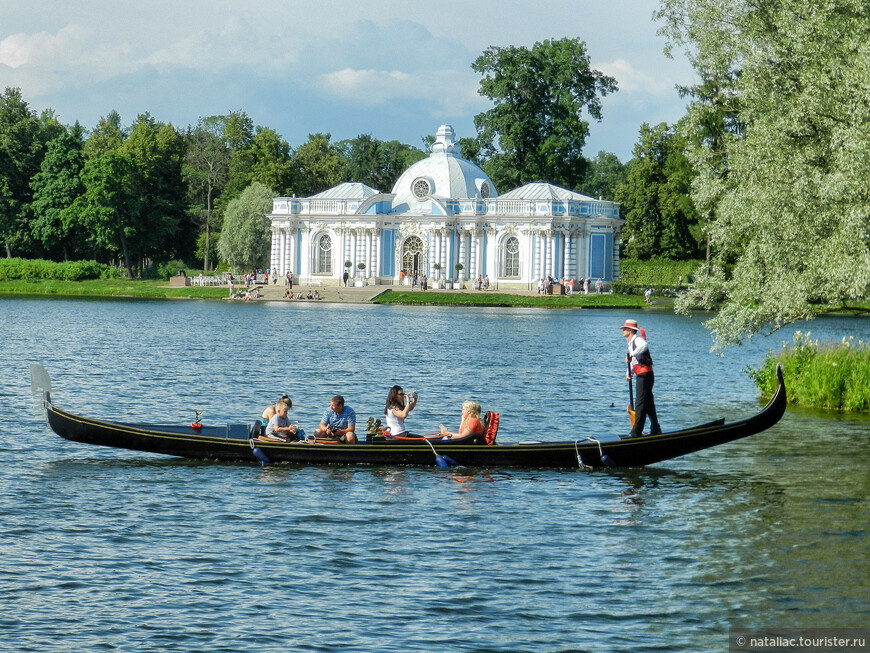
x: 394, y: 295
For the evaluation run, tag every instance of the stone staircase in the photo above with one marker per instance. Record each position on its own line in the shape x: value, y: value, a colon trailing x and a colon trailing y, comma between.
x: 329, y: 292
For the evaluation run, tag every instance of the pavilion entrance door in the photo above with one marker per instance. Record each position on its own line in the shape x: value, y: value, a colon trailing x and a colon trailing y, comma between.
x: 412, y: 256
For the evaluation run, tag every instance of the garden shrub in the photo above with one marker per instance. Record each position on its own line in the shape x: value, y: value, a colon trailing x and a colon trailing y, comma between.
x: 12, y: 269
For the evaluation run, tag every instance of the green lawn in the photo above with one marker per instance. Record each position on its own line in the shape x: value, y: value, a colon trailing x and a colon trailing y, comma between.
x: 145, y: 289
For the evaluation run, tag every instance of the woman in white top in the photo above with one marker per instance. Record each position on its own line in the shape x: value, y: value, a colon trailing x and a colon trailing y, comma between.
x: 397, y: 409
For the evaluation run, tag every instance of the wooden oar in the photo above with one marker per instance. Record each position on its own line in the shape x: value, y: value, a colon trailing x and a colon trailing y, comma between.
x: 630, y: 408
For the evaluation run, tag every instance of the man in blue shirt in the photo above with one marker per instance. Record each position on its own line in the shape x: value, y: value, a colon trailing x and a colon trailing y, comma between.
x: 339, y: 421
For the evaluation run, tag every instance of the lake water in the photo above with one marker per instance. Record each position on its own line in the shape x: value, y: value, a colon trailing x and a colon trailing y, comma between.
x: 104, y: 549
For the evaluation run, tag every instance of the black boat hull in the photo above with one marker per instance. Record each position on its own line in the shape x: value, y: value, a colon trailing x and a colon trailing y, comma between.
x: 233, y: 443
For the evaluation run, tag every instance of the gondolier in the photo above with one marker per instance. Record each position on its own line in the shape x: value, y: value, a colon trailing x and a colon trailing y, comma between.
x: 640, y: 363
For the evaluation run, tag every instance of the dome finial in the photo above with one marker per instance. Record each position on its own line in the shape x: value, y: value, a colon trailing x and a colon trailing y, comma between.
x: 445, y: 141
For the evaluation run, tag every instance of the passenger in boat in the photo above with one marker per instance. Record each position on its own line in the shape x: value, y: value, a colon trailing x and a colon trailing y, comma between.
x: 270, y: 411
x: 397, y: 409
x: 470, y: 424
x: 279, y: 427
x: 338, y: 421
x: 639, y: 361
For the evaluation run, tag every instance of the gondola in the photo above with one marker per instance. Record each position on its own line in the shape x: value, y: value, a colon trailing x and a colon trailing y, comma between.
x: 241, y: 442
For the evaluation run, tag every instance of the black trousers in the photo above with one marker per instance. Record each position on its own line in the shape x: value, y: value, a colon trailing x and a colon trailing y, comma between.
x: 645, y: 406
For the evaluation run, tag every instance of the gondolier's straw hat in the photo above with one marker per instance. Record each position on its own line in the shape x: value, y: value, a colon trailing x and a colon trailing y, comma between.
x: 630, y: 324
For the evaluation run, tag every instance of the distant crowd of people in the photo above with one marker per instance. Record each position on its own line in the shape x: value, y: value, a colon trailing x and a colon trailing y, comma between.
x: 545, y: 285
x: 288, y: 294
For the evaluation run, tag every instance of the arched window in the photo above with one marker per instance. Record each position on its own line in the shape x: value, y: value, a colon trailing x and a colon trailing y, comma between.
x: 412, y: 255
x: 511, y: 266
x: 323, y: 255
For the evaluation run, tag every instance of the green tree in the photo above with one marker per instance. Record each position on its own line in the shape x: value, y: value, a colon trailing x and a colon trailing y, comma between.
x: 655, y: 198
x: 318, y: 165
x: 713, y: 119
x: 55, y: 189
x: 271, y: 163
x: 23, y: 139
x: 246, y: 237
x: 110, y: 206
x: 107, y: 136
x: 604, y: 174
x: 156, y: 151
x: 376, y: 163
x: 790, y: 237
x: 264, y: 157
x: 206, y: 169
x: 535, y: 130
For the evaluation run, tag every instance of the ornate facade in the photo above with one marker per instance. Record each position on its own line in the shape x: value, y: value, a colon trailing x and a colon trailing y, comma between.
x: 441, y: 212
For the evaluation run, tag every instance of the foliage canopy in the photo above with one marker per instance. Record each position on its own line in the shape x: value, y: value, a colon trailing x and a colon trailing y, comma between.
x: 536, y: 131
x: 788, y: 190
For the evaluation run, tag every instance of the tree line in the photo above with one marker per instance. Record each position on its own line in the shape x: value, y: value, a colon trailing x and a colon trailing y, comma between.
x: 150, y: 191
x: 765, y: 175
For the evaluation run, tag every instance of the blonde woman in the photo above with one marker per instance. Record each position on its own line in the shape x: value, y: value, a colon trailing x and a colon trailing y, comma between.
x: 470, y: 424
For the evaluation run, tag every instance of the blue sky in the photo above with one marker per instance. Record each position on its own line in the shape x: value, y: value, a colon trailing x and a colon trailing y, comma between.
x: 395, y: 69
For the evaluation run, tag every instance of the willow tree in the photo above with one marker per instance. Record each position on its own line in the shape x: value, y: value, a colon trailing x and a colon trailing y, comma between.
x: 791, y: 234
x: 246, y: 236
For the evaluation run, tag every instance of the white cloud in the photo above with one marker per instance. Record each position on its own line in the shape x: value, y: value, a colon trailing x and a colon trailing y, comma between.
x: 346, y: 66
x: 72, y: 46
x: 235, y: 44
x: 631, y: 80
x: 445, y: 91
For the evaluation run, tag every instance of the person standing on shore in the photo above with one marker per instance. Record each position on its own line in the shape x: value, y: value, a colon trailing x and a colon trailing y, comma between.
x: 639, y: 361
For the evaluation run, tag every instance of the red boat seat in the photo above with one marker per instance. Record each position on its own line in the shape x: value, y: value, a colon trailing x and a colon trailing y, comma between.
x: 490, y: 428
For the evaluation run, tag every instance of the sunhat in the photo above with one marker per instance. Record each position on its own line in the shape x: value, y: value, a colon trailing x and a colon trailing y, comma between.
x: 630, y: 324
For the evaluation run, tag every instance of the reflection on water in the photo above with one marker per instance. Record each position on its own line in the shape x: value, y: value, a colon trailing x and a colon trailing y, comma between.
x: 149, y: 553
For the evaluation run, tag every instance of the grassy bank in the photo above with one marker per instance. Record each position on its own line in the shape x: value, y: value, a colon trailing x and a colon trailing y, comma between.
x: 139, y: 288
x: 454, y: 298
x: 832, y: 376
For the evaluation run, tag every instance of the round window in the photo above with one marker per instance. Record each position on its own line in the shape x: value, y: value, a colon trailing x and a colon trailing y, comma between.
x: 421, y: 188
x: 484, y: 190
x: 325, y: 243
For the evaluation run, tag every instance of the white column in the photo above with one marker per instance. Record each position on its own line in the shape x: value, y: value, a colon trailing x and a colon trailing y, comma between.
x: 554, y: 256
x: 304, y: 255
x: 352, y: 256
x: 367, y: 235
x: 570, y: 255
x: 433, y: 253
x: 548, y: 256
x: 583, y: 252
x: 462, y: 254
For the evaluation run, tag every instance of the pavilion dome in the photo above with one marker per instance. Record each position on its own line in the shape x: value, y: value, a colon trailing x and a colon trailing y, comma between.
x: 443, y: 174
